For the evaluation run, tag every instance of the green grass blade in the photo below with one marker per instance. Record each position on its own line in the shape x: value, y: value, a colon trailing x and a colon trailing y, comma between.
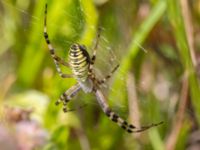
x: 139, y: 37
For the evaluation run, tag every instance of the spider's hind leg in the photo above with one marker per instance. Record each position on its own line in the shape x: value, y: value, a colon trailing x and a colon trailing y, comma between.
x: 108, y: 76
x: 93, y: 58
x: 57, y: 59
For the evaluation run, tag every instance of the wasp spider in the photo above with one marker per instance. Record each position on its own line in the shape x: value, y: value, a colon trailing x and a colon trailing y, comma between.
x: 81, y: 65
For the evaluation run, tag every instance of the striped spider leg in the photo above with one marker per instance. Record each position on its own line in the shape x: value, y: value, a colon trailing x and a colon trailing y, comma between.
x: 57, y: 59
x: 93, y: 58
x: 68, y: 95
x: 115, y: 118
x: 81, y: 65
x: 102, y: 81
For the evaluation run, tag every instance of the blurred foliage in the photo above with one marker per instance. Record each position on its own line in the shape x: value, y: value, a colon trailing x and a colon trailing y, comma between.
x: 150, y: 41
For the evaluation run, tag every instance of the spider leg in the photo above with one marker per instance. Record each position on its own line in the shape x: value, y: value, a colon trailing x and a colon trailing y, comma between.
x: 93, y: 58
x: 57, y: 59
x: 115, y: 118
x: 68, y: 95
x: 108, y: 76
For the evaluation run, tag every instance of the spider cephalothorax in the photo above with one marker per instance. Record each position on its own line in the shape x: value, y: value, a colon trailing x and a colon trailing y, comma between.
x: 81, y: 65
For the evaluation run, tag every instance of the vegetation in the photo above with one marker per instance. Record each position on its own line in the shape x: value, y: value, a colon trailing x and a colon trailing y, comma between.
x: 156, y: 43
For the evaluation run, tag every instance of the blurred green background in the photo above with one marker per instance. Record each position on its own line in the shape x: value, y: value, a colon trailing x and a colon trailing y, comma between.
x: 156, y: 43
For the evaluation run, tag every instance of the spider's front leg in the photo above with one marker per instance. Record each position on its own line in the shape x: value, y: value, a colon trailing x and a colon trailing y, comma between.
x: 115, y: 118
x: 68, y: 95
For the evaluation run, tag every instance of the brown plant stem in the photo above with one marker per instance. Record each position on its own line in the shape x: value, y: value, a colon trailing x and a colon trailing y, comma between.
x: 179, y: 117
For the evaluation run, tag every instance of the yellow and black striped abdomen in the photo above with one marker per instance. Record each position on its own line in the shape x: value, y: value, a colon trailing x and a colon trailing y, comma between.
x: 79, y: 61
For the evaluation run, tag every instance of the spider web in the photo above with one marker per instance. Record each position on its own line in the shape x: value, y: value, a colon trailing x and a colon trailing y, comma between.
x: 108, y: 55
